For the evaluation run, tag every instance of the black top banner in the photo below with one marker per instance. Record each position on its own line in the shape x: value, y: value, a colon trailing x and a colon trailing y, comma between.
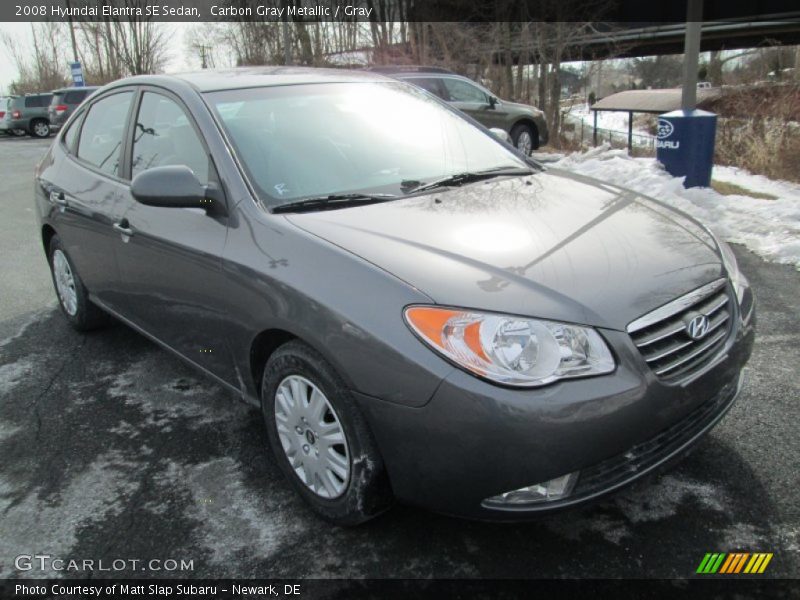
x: 613, y: 11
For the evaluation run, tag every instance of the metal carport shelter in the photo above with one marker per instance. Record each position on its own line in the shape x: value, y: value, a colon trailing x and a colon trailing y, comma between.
x: 645, y: 101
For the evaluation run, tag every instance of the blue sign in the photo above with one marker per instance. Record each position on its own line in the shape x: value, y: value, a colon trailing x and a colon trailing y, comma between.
x: 685, y: 145
x: 77, y: 74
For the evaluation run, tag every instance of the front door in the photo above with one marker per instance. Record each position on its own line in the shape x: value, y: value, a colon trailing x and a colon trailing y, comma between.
x: 170, y: 258
x: 475, y: 102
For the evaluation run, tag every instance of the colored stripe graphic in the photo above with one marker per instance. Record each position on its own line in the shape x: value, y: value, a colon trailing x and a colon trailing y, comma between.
x: 733, y: 563
x: 711, y: 563
x: 759, y: 562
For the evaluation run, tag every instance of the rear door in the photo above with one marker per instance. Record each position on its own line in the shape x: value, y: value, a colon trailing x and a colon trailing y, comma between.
x: 56, y: 103
x: 170, y: 258
x: 88, y: 191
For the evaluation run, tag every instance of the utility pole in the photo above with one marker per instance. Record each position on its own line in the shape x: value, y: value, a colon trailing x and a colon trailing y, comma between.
x: 287, y: 51
x: 72, y: 34
x: 691, y: 51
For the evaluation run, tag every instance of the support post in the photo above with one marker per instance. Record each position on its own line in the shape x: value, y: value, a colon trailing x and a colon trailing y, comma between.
x: 691, y: 52
x: 594, y: 136
x: 630, y: 131
x: 287, y: 51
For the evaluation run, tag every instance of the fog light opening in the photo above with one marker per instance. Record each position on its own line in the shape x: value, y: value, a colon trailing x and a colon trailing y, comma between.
x: 548, y: 491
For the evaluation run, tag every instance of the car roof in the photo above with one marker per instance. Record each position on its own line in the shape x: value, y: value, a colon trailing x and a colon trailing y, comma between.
x: 403, y: 69
x: 210, y: 80
x: 75, y: 89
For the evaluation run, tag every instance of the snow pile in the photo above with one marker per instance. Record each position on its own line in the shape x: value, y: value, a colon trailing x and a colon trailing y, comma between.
x: 770, y: 228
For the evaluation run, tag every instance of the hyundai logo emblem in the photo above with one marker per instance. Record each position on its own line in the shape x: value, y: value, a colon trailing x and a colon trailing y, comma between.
x: 665, y: 129
x: 697, y: 327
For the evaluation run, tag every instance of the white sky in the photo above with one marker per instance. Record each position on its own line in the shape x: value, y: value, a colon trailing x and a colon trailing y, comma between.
x: 21, y: 33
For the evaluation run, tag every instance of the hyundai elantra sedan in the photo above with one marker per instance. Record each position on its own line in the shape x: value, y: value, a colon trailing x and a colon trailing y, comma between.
x: 420, y: 312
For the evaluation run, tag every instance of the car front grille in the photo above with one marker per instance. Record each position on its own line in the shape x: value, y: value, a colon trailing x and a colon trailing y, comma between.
x: 643, y: 457
x: 661, y: 335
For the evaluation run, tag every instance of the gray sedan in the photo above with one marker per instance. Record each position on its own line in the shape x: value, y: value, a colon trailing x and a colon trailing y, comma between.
x: 420, y: 312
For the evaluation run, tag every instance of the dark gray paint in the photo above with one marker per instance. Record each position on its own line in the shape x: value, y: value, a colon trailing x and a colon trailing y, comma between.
x: 564, y: 247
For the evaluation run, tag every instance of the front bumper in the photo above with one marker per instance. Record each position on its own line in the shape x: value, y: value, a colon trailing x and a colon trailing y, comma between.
x: 475, y: 440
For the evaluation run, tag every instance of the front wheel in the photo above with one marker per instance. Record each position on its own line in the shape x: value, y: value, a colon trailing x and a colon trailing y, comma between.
x: 320, y: 439
x: 523, y: 137
x: 40, y: 129
x: 72, y: 295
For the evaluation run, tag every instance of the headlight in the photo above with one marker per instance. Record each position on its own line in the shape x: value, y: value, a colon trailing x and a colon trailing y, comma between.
x: 511, y: 350
x: 741, y: 286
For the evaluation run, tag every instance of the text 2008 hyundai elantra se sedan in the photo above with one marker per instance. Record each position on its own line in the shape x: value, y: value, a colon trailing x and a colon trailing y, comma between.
x: 419, y: 312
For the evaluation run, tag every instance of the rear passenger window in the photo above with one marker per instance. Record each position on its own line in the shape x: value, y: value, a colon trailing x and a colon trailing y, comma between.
x: 164, y: 136
x: 103, y: 129
x: 71, y: 134
x: 74, y: 97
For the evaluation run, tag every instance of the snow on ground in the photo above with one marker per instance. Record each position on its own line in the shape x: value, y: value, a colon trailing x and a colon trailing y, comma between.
x: 770, y: 228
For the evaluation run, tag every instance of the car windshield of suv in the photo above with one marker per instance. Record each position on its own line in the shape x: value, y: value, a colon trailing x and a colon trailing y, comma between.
x: 303, y: 141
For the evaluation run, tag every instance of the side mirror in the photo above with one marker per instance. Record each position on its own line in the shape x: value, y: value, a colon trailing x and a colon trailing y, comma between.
x: 501, y: 134
x: 492, y: 101
x: 176, y: 187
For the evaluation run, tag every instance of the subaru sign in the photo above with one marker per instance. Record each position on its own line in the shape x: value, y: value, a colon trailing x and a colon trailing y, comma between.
x: 77, y: 74
x: 685, y: 145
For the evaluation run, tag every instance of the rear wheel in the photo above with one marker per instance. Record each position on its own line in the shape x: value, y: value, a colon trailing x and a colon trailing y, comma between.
x: 40, y: 128
x: 320, y: 439
x: 72, y: 295
x: 19, y: 132
x: 525, y: 138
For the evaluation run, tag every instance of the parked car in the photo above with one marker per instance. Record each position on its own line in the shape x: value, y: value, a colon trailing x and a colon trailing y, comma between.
x: 3, y: 104
x: 525, y: 124
x: 29, y: 114
x: 64, y: 102
x: 4, y: 100
x: 419, y: 312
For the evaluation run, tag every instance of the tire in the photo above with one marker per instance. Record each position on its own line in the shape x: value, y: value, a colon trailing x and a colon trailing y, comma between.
x: 19, y: 132
x: 365, y: 492
x: 40, y: 128
x: 73, y: 299
x: 526, y: 136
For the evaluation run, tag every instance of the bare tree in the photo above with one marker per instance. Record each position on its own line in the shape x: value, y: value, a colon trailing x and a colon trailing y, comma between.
x: 46, y: 67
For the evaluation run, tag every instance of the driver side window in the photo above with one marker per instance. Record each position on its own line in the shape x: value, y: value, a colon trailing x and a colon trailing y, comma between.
x: 461, y: 91
x: 164, y: 136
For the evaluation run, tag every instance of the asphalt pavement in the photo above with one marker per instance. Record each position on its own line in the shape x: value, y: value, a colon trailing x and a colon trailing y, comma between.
x: 113, y: 449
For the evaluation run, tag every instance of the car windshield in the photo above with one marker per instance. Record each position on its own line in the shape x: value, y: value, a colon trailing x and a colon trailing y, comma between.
x: 303, y: 141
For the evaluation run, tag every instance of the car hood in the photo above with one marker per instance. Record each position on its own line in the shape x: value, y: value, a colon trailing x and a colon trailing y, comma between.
x: 533, y: 111
x: 552, y: 245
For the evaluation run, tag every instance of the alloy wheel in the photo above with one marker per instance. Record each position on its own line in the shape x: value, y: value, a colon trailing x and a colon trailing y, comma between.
x: 525, y: 143
x: 41, y: 129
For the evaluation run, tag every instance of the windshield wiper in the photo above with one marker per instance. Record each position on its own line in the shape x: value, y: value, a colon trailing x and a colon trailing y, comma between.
x: 464, y: 178
x: 332, y: 201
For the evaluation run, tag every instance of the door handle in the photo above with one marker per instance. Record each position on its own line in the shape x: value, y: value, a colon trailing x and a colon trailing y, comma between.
x: 124, y: 227
x: 58, y: 198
